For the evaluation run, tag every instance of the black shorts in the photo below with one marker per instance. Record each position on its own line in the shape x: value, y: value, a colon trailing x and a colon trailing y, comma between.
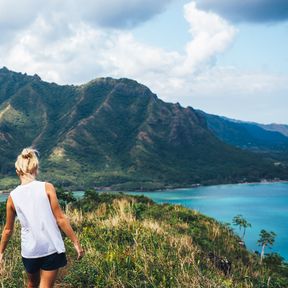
x: 50, y: 262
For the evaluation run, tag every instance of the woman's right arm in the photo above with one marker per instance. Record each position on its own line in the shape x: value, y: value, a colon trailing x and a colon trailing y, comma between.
x: 9, y: 226
x: 62, y: 220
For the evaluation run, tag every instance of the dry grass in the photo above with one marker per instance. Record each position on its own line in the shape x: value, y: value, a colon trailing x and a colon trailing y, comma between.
x: 123, y: 251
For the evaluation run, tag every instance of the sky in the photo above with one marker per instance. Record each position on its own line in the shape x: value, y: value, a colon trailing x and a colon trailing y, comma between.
x: 224, y: 57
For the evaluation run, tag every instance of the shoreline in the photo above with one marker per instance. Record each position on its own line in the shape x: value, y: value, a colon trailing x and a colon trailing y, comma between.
x: 201, y: 185
x: 214, y: 205
x: 4, y: 192
x: 197, y: 185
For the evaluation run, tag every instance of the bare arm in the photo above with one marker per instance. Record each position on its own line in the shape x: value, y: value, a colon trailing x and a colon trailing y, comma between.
x: 61, y: 219
x: 9, y: 226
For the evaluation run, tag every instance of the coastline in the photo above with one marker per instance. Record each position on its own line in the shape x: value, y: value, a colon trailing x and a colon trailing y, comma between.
x: 224, y: 202
x: 4, y: 191
x: 169, y: 187
x: 203, y: 185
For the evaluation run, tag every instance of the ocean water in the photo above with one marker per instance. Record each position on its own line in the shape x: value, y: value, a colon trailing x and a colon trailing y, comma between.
x: 264, y: 205
x: 77, y: 194
x: 3, y: 197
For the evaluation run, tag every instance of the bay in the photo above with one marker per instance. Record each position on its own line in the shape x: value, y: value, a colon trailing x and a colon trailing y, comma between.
x: 264, y: 205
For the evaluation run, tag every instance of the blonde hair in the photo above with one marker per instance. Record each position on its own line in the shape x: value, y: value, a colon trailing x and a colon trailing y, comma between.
x: 27, y: 162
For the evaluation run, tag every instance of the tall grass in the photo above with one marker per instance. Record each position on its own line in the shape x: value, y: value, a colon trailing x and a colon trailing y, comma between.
x: 133, y: 242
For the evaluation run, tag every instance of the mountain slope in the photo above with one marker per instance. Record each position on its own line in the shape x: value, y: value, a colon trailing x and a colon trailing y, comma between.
x: 248, y: 135
x: 283, y: 129
x: 116, y: 132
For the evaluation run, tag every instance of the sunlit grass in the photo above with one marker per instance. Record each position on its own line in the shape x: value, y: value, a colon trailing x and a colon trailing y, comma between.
x: 133, y: 242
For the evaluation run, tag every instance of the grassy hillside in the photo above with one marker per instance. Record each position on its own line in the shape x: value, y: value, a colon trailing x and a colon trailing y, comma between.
x: 116, y: 133
x: 132, y: 242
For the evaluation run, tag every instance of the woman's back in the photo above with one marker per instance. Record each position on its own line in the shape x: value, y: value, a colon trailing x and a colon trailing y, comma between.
x: 37, y: 207
x: 40, y: 235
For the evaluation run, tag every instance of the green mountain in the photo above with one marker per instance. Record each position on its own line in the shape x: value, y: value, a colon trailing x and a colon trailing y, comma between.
x: 281, y: 128
x: 115, y: 133
x: 248, y: 135
x: 270, y: 140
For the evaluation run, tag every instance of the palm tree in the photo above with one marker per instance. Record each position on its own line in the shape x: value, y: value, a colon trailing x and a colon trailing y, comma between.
x: 266, y: 239
x: 242, y: 223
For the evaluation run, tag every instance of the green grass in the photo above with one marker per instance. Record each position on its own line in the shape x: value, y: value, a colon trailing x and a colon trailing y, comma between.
x: 132, y: 242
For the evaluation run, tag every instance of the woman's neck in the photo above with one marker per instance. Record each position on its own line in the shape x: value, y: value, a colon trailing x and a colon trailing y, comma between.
x: 27, y: 178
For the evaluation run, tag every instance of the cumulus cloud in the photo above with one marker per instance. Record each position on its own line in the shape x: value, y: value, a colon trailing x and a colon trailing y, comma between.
x: 53, y: 47
x: 248, y: 10
x: 210, y: 35
x: 69, y: 46
x: 117, y: 14
x: 243, y: 95
x: 84, y: 54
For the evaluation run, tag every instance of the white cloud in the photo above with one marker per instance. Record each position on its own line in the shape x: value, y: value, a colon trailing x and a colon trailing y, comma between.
x: 117, y: 14
x: 210, y: 35
x: 65, y: 47
x: 85, y: 54
x: 55, y: 44
x: 50, y: 45
x: 250, y: 96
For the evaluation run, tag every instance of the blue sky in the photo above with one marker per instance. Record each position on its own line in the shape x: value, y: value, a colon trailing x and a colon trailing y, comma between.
x: 221, y: 56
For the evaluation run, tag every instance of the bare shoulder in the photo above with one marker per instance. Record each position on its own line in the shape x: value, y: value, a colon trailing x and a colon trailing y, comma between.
x: 50, y: 189
x: 10, y: 203
x: 9, y: 200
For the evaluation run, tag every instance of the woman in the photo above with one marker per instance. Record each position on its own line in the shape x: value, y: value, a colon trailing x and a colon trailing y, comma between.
x: 36, y: 205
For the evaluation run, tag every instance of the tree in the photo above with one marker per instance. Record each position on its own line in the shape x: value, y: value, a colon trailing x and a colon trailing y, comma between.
x: 64, y: 197
x: 242, y: 223
x: 266, y: 239
x: 2, y: 212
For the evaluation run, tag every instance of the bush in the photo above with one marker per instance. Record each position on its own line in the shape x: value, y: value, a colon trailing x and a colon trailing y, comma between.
x: 2, y: 212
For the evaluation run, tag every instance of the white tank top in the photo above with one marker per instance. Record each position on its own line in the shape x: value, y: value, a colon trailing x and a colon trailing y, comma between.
x: 40, y: 235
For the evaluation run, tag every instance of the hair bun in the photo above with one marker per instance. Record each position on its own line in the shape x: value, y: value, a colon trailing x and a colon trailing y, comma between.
x: 27, y: 162
x: 27, y: 153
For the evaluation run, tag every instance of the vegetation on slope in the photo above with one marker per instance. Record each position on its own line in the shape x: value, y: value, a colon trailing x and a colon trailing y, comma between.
x: 132, y: 242
x: 116, y: 133
x: 246, y: 135
x: 271, y: 141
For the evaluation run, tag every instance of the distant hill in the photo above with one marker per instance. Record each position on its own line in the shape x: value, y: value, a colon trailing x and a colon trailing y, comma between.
x: 116, y: 133
x: 283, y: 129
x: 248, y: 135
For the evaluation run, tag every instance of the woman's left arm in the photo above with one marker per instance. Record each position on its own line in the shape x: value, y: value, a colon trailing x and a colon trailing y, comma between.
x: 9, y: 226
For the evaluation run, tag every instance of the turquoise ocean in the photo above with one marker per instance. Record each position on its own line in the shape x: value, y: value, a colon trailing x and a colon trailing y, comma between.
x: 264, y: 205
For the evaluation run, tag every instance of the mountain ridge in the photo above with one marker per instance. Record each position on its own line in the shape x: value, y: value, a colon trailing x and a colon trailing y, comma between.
x: 116, y: 132
x: 248, y: 135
